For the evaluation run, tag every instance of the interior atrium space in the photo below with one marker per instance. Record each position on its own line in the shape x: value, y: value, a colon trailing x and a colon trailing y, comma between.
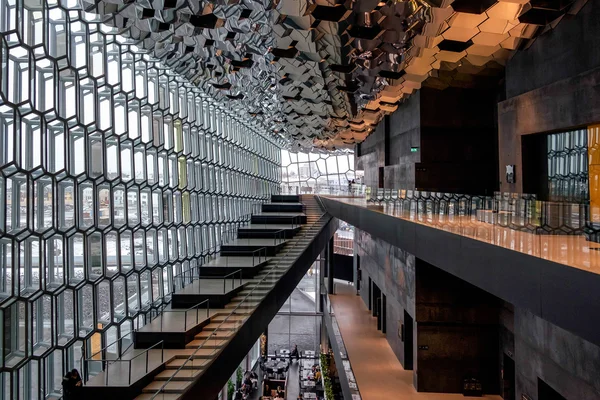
x: 299, y: 199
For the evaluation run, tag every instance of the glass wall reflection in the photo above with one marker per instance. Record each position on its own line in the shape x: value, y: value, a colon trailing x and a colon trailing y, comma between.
x: 299, y: 320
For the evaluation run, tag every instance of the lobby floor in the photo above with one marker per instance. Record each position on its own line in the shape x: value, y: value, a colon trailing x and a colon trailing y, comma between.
x: 379, y: 375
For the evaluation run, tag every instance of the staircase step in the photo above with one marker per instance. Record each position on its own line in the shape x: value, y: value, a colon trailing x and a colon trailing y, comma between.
x: 227, y: 326
x: 171, y: 387
x: 210, y: 344
x: 164, y: 396
x: 251, y: 298
x: 218, y: 335
x: 181, y: 375
x: 223, y: 317
x: 196, y: 353
x: 193, y: 364
x: 246, y: 304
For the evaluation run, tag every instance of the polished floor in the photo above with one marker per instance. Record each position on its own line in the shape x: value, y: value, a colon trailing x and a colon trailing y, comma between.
x: 571, y: 250
x: 379, y: 375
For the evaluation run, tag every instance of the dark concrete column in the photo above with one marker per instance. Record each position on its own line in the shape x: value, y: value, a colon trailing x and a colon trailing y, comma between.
x: 330, y: 267
x: 324, y: 348
x: 355, y: 263
x: 322, y: 263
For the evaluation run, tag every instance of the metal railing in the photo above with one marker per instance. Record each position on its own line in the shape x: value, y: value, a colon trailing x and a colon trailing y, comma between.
x: 83, y: 362
x: 193, y: 274
x: 516, y: 211
x: 107, y: 364
x: 354, y: 189
x: 279, y: 236
x: 185, y: 313
x: 232, y: 280
x: 269, y: 277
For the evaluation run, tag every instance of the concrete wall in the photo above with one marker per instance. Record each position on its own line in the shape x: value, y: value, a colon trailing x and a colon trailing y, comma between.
x: 393, y: 271
x: 459, y: 325
x: 404, y: 133
x: 371, y: 156
x: 552, y: 86
x: 570, y: 365
x: 463, y: 326
x: 454, y: 132
x: 568, y: 50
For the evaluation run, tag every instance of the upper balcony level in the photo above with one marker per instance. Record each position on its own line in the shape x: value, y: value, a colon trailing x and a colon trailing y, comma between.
x: 541, y: 256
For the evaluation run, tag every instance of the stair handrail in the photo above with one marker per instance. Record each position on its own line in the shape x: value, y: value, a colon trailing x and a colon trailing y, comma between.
x: 191, y: 357
x: 145, y: 352
x: 279, y: 236
x: 233, y: 280
x: 83, y: 361
x: 196, y: 306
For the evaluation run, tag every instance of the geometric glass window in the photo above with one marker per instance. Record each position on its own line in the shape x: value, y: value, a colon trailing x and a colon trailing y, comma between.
x: 116, y: 174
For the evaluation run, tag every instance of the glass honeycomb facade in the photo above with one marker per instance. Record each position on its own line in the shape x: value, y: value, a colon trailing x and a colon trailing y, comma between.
x: 313, y: 172
x: 116, y: 174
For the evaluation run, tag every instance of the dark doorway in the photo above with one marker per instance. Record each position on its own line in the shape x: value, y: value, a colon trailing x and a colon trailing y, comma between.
x: 545, y: 392
x: 376, y: 304
x: 381, y: 169
x: 358, y: 274
x: 383, y: 313
x: 407, y: 336
x: 370, y: 291
x: 508, y: 378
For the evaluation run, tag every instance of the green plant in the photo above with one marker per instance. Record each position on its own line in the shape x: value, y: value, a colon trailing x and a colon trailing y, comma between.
x: 230, y: 390
x: 238, y: 376
x: 328, y: 385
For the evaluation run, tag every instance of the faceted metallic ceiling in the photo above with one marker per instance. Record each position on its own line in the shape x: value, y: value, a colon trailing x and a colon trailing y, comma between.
x: 323, y: 73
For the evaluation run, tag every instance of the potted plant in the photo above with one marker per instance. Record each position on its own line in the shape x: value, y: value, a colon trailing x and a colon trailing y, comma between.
x: 238, y: 377
x: 230, y: 390
x: 327, y: 384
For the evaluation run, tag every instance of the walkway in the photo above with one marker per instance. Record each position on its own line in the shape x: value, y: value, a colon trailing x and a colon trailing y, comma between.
x: 293, y: 384
x: 378, y: 372
x: 572, y: 250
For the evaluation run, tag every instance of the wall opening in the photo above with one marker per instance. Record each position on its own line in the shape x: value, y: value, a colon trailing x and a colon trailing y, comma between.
x: 546, y: 392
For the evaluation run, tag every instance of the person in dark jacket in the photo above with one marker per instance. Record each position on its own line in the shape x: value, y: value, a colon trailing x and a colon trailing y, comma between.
x: 76, y: 378
x: 294, y: 353
x: 67, y: 386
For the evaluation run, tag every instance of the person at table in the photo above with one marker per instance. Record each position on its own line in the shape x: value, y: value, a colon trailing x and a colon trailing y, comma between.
x: 254, y: 379
x: 248, y: 381
x: 280, y: 392
x: 318, y: 375
x: 294, y: 353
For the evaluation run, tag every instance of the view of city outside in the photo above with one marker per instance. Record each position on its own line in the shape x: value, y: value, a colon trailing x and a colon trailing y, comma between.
x: 316, y: 172
x: 298, y: 321
x: 343, y: 239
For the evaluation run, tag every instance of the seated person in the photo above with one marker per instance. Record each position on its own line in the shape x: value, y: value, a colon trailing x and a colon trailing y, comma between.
x: 248, y: 382
x: 254, y: 380
x: 318, y: 375
x: 280, y: 392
